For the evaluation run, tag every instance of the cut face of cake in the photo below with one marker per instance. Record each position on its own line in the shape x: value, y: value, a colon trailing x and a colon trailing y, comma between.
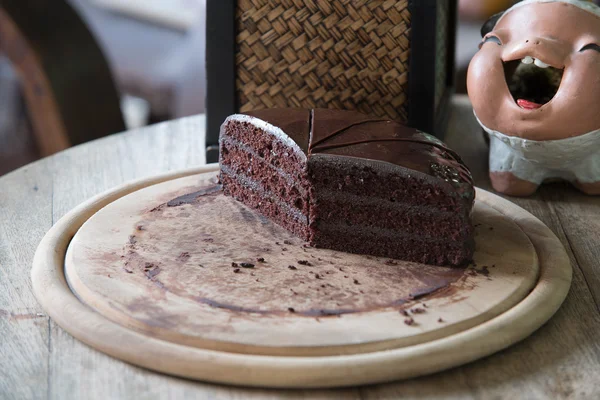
x: 346, y: 181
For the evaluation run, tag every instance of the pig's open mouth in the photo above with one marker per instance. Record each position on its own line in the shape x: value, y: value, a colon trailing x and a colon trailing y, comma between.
x: 531, y: 82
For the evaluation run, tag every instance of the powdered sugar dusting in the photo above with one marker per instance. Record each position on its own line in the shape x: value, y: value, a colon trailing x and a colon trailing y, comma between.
x: 267, y: 127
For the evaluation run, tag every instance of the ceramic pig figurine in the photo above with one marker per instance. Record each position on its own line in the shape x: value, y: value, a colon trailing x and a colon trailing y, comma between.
x: 535, y: 89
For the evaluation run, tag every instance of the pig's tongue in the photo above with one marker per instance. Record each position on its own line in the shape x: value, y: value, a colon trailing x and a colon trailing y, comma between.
x: 528, y: 105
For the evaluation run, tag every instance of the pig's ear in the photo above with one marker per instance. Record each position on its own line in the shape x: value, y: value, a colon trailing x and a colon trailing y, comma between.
x: 490, y: 23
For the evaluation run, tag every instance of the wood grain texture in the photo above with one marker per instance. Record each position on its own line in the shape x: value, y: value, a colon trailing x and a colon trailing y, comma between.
x: 560, y: 361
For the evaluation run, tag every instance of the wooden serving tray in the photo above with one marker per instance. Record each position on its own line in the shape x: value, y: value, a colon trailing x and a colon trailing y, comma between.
x: 154, y: 275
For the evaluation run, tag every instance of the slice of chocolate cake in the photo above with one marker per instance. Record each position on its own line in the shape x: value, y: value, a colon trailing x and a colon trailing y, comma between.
x: 346, y: 181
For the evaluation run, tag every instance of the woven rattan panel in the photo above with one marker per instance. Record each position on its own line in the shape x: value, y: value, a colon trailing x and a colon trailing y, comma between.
x: 348, y: 54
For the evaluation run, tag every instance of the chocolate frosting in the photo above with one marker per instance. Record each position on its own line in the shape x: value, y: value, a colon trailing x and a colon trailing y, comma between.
x: 352, y: 134
x: 295, y: 122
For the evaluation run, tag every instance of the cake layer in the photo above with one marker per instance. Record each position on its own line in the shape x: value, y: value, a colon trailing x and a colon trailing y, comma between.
x: 246, y: 190
x: 267, y: 146
x: 357, y: 211
x: 242, y: 160
x: 385, y: 243
x: 385, y: 181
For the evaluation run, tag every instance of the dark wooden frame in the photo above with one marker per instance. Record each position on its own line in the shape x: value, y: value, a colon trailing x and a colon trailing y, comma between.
x: 221, y: 75
x: 220, y: 70
x: 421, y: 82
x: 68, y: 87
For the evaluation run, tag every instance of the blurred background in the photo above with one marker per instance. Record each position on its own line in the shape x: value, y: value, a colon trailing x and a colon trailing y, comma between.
x: 154, y: 54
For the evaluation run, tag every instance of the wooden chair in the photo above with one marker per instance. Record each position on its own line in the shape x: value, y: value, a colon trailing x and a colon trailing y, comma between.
x: 66, y: 82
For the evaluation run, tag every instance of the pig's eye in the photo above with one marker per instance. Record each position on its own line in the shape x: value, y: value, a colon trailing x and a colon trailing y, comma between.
x: 493, y: 39
x: 591, y: 46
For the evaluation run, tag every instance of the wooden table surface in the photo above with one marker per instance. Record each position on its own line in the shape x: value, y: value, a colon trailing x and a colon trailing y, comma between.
x: 39, y: 360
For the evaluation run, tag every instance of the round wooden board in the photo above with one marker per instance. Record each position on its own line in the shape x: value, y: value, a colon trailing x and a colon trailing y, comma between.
x: 156, y: 263
x: 148, y: 317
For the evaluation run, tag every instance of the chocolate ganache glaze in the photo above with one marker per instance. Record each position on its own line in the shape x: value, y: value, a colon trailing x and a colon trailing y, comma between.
x: 351, y: 182
x: 348, y: 133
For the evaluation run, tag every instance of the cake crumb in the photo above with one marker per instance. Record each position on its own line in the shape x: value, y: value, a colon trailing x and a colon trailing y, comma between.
x: 247, y: 265
x: 424, y: 305
x: 152, y: 272
x: 483, y: 271
x: 417, y: 310
x: 440, y: 320
x: 409, y: 321
x: 292, y: 267
x: 405, y: 313
x: 132, y: 239
x: 127, y: 270
x: 237, y: 270
x: 391, y: 262
x: 304, y: 262
x: 148, y: 266
x: 345, y: 276
x: 260, y: 259
x: 356, y: 282
x: 318, y: 276
x: 140, y: 227
x: 287, y: 242
x: 291, y: 309
x: 234, y: 265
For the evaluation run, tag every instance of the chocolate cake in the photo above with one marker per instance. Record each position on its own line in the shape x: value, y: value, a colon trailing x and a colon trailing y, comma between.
x: 346, y: 181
